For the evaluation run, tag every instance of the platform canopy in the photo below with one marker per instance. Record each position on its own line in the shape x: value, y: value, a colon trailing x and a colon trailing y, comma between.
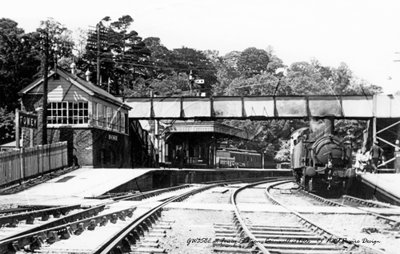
x: 209, y: 127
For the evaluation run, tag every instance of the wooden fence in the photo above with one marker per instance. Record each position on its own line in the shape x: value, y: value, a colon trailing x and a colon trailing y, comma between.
x: 29, y: 162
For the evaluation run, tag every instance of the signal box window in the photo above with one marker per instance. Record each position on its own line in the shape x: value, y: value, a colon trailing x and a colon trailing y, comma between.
x: 68, y: 113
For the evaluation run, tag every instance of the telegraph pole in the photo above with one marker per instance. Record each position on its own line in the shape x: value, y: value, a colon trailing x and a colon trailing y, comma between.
x: 45, y: 87
x: 98, y: 54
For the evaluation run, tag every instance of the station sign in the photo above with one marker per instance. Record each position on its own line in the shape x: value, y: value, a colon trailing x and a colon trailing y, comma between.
x: 113, y: 137
x: 28, y: 120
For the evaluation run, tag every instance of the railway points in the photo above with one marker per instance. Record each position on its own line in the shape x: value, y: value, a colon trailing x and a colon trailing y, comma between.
x: 369, y: 230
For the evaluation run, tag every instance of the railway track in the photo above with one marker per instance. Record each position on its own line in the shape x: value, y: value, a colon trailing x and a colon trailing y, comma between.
x: 95, y: 232
x: 22, y: 221
x: 329, y: 230
x: 362, y: 205
x: 288, y: 232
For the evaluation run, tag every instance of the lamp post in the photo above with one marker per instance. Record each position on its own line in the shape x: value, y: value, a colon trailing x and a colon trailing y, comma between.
x: 263, y: 152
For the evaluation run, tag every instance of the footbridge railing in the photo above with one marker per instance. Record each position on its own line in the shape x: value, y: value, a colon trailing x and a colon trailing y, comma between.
x: 264, y: 107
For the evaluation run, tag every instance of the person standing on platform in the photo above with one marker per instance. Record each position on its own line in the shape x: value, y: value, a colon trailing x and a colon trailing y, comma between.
x: 376, y: 153
x: 180, y: 156
x: 358, y: 165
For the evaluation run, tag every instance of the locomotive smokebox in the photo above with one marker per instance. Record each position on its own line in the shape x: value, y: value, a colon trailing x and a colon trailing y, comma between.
x: 329, y: 125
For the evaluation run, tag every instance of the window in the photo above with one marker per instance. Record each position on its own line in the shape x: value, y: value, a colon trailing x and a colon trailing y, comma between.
x: 118, y: 122
x: 68, y: 113
x: 104, y: 117
x: 114, y: 120
x: 109, y: 116
x: 57, y: 113
x: 100, y: 116
x: 123, y: 123
x: 95, y: 119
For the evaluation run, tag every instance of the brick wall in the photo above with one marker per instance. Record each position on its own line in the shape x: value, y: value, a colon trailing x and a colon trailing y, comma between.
x: 111, y: 149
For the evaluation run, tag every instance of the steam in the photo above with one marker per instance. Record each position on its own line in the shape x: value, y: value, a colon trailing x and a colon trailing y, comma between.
x: 317, y: 126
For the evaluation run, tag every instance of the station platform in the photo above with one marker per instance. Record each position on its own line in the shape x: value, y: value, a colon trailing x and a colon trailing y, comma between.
x: 79, y: 186
x: 73, y: 187
x: 385, y: 187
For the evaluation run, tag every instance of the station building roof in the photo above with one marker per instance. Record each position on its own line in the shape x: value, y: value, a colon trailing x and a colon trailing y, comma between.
x: 209, y: 126
x: 36, y: 87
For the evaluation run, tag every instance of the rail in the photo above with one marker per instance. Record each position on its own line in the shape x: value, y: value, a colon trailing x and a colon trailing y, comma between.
x: 316, y: 227
x: 18, y: 165
x: 142, y: 223
x: 394, y: 223
x: 239, y: 221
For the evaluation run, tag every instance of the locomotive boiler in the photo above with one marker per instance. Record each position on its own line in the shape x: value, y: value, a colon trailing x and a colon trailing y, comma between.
x: 321, y: 161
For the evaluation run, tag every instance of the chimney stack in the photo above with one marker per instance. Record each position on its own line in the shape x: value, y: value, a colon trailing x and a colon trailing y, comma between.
x: 73, y: 68
x: 87, y: 74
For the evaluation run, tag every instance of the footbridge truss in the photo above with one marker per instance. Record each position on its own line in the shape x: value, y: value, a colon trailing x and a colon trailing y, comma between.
x: 264, y: 107
x: 382, y: 111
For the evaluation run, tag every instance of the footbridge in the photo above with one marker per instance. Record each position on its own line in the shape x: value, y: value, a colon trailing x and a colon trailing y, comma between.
x: 382, y: 111
x: 264, y: 107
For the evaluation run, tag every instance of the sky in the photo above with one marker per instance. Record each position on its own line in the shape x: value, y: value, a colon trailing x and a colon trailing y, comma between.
x: 364, y: 34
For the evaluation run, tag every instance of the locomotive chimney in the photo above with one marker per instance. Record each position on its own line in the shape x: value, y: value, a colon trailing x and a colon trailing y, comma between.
x: 329, y: 125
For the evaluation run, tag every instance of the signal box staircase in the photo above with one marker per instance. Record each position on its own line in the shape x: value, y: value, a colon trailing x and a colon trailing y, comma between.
x: 143, y: 150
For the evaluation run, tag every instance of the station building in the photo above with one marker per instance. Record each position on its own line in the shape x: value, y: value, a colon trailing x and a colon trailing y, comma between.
x: 200, y: 141
x: 94, y: 122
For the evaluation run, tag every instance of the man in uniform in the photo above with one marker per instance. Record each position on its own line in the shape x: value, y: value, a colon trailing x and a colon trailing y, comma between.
x: 376, y: 153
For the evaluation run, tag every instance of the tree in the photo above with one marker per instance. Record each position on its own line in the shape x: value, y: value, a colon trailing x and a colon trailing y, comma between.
x: 226, y: 70
x: 159, y: 61
x: 58, y: 39
x: 195, y: 63
x: 122, y: 54
x: 253, y: 61
x: 19, y: 62
x: 7, y: 131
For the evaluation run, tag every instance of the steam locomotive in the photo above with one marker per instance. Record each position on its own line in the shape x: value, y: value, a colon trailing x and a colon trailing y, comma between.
x: 320, y: 160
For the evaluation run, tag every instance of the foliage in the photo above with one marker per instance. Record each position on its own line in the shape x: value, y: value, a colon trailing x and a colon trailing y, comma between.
x: 283, y: 154
x: 252, y: 61
x: 56, y: 37
x: 122, y: 54
x: 18, y: 62
x: 195, y: 63
x: 7, y: 131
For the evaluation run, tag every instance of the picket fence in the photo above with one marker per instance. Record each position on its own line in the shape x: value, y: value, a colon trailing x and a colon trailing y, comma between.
x: 25, y: 163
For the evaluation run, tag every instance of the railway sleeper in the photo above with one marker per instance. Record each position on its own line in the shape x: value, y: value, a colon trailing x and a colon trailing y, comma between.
x: 226, y: 235
x: 225, y: 227
x: 270, y: 226
x: 150, y: 239
x: 226, y: 231
x: 232, y: 250
x: 286, y: 251
x: 232, y: 244
x: 162, y: 227
x: 148, y: 250
x: 308, y: 237
x: 149, y: 244
x: 155, y: 234
x: 279, y: 230
x: 282, y: 233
